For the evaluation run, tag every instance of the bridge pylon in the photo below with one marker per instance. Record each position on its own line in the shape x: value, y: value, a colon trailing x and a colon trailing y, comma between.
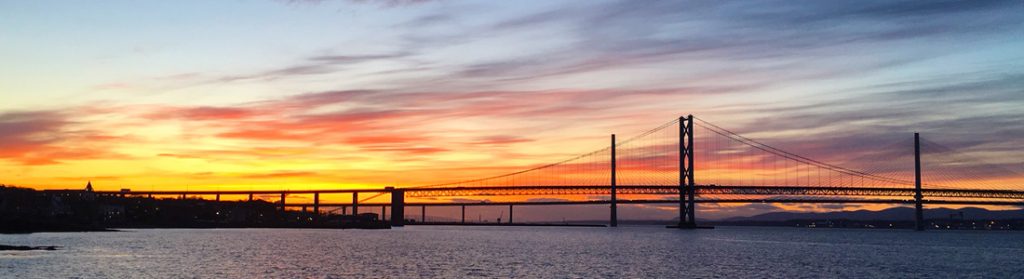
x: 918, y: 196
x: 687, y: 186
x: 614, y: 222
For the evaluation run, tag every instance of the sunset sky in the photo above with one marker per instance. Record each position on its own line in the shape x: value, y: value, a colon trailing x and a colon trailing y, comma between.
x: 325, y: 94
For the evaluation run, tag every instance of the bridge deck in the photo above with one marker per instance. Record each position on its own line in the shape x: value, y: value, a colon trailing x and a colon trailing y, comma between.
x: 554, y: 190
x: 648, y: 201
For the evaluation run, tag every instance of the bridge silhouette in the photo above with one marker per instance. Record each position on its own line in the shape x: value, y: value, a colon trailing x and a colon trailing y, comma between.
x: 689, y: 161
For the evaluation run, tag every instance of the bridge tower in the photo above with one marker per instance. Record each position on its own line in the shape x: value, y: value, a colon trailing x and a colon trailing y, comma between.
x: 918, y: 208
x: 614, y: 198
x: 687, y: 186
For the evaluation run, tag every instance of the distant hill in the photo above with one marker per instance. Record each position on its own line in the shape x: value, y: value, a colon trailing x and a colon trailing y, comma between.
x: 891, y: 214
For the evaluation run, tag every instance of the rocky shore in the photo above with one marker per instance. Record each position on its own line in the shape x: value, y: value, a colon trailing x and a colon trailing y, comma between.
x: 26, y: 248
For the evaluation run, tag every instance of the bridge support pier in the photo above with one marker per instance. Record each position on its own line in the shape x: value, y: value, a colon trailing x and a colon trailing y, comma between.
x: 918, y: 196
x: 463, y: 214
x: 250, y: 197
x: 355, y: 203
x: 397, y: 207
x: 423, y: 214
x: 383, y: 212
x: 282, y: 201
x: 218, y: 197
x: 510, y: 214
x: 316, y: 204
x: 614, y: 218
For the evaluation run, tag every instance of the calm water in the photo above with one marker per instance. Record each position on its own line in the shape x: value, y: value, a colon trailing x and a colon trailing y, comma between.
x: 449, y: 252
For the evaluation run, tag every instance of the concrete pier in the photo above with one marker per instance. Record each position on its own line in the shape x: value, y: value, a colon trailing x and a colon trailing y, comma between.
x: 397, y: 206
x: 283, y: 195
x: 316, y: 203
x: 355, y: 203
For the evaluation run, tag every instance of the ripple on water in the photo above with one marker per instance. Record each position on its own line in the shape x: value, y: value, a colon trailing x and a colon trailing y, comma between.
x: 486, y: 252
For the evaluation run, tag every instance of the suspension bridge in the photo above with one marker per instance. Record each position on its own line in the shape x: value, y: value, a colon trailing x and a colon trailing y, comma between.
x: 689, y: 161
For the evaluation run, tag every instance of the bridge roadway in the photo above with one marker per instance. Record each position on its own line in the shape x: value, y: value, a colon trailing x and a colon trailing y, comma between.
x: 671, y: 201
x: 711, y: 190
x: 811, y: 194
x: 554, y: 190
x: 776, y: 194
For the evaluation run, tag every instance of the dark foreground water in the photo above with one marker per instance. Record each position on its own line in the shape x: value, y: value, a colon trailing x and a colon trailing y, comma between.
x: 526, y: 252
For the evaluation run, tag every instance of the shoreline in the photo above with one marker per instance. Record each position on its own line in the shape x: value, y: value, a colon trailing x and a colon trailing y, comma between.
x: 121, y: 229
x: 27, y: 248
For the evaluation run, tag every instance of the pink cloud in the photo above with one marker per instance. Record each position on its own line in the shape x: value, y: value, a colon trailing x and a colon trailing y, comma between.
x: 48, y: 137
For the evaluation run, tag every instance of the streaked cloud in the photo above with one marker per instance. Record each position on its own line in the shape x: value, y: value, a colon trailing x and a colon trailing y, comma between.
x: 49, y: 137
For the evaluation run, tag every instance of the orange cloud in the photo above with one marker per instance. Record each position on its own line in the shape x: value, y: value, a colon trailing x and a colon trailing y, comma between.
x: 285, y: 174
x: 48, y: 137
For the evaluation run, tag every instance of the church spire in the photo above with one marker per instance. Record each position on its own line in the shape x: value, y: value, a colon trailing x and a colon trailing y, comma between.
x: 88, y: 186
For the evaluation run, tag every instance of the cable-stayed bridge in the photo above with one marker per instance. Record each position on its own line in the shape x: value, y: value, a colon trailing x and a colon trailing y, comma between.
x: 689, y: 161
